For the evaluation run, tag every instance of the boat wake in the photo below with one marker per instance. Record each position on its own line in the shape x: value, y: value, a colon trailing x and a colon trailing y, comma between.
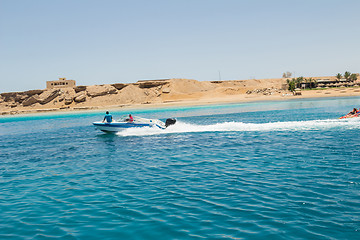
x: 311, y: 125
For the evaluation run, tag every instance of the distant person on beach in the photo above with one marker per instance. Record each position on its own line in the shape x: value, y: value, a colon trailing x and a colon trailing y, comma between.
x: 108, y: 117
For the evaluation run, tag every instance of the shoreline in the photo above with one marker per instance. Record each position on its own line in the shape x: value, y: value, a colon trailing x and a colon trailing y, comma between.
x: 233, y: 99
x: 158, y: 94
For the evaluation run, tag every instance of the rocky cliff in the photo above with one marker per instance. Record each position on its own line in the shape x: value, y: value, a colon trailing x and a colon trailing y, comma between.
x: 142, y: 92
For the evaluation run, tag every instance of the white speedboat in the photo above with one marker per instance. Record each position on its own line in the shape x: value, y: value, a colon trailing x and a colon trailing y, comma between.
x: 124, y: 122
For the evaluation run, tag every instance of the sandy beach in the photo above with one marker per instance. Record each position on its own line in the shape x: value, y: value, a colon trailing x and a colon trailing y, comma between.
x: 157, y: 94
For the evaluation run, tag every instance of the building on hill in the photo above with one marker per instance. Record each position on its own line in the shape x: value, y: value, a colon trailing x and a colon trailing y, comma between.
x: 61, y: 83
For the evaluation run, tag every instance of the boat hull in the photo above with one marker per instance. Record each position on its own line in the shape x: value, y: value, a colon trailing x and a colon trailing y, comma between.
x: 351, y: 116
x: 119, y: 126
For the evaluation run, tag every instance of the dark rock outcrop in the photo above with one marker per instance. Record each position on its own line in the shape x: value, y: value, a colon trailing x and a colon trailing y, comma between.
x: 166, y: 90
x: 80, y: 98
x: 100, y: 90
x: 20, y: 98
x: 79, y: 88
x: 119, y: 86
x: 48, y: 96
x: 151, y: 84
x: 8, y: 97
x: 30, y: 101
x: 68, y: 100
x: 33, y: 92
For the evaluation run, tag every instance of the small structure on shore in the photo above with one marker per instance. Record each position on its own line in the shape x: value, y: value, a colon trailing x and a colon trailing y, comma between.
x: 61, y: 83
x: 297, y: 91
x: 333, y: 81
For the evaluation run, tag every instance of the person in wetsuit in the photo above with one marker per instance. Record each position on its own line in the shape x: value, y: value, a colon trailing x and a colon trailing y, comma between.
x: 354, y: 111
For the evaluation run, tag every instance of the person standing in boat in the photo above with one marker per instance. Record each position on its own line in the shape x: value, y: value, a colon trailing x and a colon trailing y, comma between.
x: 108, y: 117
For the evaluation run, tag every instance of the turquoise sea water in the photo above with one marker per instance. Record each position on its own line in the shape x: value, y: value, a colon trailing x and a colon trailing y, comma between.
x: 268, y: 170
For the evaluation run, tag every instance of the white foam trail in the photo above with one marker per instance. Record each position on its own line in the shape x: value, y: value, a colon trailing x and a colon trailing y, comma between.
x: 181, y: 127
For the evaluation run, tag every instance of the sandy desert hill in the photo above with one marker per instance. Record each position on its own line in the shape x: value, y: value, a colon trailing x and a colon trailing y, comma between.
x: 152, y: 93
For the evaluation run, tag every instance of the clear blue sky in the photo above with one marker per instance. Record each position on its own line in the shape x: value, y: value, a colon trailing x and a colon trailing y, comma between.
x: 111, y: 41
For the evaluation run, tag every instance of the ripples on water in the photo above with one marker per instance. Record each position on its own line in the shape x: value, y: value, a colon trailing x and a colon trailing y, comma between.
x: 283, y: 173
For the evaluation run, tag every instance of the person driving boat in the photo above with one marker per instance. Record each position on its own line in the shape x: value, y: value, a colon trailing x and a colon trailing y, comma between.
x: 108, y: 117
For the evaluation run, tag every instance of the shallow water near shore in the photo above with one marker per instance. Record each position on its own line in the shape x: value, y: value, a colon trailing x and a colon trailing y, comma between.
x: 275, y: 170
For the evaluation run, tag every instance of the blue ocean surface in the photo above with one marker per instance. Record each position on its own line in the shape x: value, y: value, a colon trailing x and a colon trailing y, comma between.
x: 263, y: 170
